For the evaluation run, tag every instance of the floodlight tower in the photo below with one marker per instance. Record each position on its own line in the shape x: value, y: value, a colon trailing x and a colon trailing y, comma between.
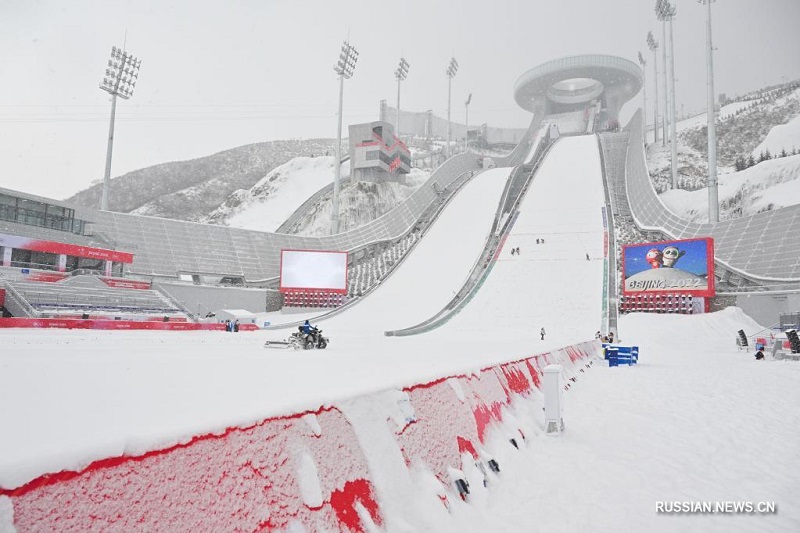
x: 643, y: 63
x: 400, y: 73
x: 451, y: 70
x: 119, y: 80
x: 652, y: 44
x: 711, y: 112
x: 466, y: 134
x: 344, y: 68
x: 665, y: 13
x: 664, y: 123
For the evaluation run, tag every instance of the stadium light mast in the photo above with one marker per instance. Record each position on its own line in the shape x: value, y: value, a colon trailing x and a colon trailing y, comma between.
x: 643, y: 63
x: 466, y: 133
x: 665, y: 13
x: 451, y: 70
x: 401, y: 73
x: 119, y: 80
x: 665, y: 114
x: 711, y: 112
x: 344, y: 68
x: 652, y: 44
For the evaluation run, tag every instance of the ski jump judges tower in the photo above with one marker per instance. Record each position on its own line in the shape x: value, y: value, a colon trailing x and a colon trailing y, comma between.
x: 575, y: 83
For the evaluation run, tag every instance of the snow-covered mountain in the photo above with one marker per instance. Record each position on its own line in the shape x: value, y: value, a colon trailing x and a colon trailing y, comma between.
x: 190, y: 190
x: 268, y: 203
x: 759, y: 135
x: 768, y: 185
x: 271, y: 201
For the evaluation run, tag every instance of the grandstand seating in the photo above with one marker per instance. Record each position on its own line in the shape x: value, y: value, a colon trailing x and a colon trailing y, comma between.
x: 366, y: 274
x: 81, y: 295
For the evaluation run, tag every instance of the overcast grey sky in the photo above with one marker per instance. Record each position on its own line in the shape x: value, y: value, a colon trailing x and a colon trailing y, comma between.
x: 216, y: 75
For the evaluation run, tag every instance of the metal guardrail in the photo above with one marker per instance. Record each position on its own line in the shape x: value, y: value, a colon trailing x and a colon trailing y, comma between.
x: 518, y: 154
x: 19, y: 305
x: 611, y: 274
x: 178, y: 305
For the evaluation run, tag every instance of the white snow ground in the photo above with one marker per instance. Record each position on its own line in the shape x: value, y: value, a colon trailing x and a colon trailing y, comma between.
x: 781, y: 137
x: 696, y: 420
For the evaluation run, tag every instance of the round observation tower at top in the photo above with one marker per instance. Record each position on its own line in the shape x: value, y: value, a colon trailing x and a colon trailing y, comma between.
x: 570, y: 83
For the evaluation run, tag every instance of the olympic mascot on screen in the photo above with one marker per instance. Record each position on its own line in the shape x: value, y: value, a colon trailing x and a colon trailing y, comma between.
x: 671, y: 255
x: 654, y: 257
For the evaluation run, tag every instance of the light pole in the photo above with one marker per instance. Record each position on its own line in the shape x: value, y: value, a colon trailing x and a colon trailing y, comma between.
x: 466, y: 134
x: 643, y: 63
x: 344, y: 68
x: 652, y: 44
x: 664, y: 77
x: 451, y: 70
x: 400, y: 73
x: 711, y: 112
x: 666, y: 12
x: 119, y: 80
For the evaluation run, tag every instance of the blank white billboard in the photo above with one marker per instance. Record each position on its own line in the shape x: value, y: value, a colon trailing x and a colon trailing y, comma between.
x: 304, y: 269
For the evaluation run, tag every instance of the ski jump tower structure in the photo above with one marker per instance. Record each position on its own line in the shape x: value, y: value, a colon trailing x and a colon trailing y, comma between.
x: 572, y: 83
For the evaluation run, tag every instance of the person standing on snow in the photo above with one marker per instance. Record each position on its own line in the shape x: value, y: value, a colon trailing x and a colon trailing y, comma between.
x: 541, y: 332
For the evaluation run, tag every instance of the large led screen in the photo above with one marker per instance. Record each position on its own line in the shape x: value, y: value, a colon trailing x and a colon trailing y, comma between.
x: 685, y: 266
x: 305, y: 269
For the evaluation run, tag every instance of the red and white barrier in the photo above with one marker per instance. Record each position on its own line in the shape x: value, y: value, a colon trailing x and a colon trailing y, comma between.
x: 177, y: 324
x: 307, y: 471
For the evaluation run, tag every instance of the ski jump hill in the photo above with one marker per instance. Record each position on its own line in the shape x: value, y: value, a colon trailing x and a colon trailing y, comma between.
x: 211, y: 432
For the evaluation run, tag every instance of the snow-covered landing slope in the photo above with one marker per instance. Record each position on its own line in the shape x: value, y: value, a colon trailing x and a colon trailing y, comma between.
x: 437, y: 267
x: 550, y: 284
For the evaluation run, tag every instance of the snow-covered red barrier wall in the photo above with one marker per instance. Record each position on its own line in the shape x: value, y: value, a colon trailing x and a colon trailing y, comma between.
x: 105, y: 324
x: 343, y: 467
